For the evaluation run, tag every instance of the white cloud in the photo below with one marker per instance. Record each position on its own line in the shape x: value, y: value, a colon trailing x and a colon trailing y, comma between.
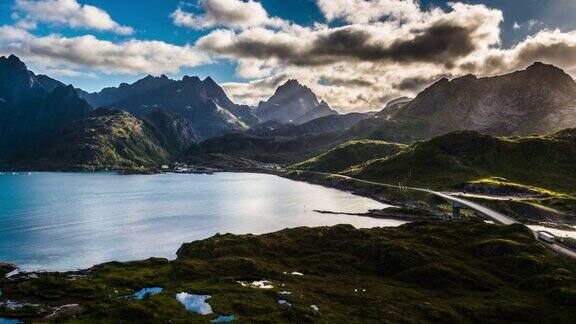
x: 130, y: 57
x: 57, y: 72
x: 230, y: 13
x: 362, y: 11
x: 68, y: 13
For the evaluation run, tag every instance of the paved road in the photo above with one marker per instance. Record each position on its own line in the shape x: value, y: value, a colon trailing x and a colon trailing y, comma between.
x: 500, y: 218
x: 496, y: 216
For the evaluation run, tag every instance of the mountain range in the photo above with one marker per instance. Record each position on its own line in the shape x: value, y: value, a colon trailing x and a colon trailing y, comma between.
x: 203, y: 102
x: 157, y: 119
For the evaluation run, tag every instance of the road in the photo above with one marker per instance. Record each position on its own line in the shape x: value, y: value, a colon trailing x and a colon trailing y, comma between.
x: 496, y: 216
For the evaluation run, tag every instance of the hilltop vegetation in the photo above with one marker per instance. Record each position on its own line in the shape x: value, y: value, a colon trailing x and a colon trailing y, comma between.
x: 459, y: 271
x: 349, y: 154
x: 452, y: 160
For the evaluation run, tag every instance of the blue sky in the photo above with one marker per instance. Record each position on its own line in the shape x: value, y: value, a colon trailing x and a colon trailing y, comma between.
x: 151, y: 20
x: 506, y: 36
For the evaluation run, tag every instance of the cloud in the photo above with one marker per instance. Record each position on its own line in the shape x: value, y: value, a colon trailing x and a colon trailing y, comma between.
x: 547, y: 46
x: 229, y: 13
x: 443, y: 38
x: 359, y: 66
x: 57, y: 72
x: 363, y: 12
x: 68, y: 13
x: 129, y: 57
x: 417, y: 83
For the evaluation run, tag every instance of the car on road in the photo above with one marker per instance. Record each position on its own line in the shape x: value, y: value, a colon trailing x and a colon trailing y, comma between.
x: 546, y: 237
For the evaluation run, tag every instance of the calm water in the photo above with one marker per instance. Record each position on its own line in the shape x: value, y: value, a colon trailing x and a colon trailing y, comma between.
x: 67, y: 221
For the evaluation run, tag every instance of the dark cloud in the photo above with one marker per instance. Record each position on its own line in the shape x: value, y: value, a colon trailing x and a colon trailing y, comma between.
x: 561, y: 53
x: 356, y: 82
x: 440, y: 43
x: 416, y: 84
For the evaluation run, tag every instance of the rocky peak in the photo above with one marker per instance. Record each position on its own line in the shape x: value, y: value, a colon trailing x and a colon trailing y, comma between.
x: 12, y: 62
x: 548, y: 74
x: 189, y: 79
x: 210, y: 82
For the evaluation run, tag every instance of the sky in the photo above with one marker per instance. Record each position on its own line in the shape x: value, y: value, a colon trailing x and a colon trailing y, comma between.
x: 355, y: 54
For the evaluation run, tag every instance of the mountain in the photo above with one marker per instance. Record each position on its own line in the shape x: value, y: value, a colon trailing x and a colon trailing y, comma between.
x: 202, y: 102
x: 107, y: 138
x: 330, y: 123
x: 532, y: 175
x: 322, y: 110
x: 31, y: 105
x: 174, y: 132
x: 349, y: 154
x: 538, y: 100
x: 293, y: 103
x: 48, y: 83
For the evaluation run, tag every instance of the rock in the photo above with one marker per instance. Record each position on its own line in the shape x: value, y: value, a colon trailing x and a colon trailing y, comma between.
x: 6, y: 268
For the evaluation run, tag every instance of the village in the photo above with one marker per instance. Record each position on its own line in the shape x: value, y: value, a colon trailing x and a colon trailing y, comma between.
x: 179, y: 167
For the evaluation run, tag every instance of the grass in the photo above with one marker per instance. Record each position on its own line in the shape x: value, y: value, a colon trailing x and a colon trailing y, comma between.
x: 535, y: 167
x: 457, y: 271
x: 348, y: 154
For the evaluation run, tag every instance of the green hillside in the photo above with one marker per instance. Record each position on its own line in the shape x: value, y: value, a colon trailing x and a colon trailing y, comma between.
x: 452, y: 160
x: 450, y: 272
x: 537, y: 171
x: 107, y: 139
x: 349, y: 154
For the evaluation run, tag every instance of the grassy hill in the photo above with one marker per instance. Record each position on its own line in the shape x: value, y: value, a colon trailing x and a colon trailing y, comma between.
x: 452, y: 160
x: 349, y: 154
x: 536, y: 169
x: 459, y: 271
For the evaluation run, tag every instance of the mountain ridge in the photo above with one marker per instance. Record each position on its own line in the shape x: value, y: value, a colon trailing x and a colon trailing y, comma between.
x: 538, y: 100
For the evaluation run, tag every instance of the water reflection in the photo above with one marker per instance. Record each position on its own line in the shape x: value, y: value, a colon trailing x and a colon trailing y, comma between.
x: 63, y: 221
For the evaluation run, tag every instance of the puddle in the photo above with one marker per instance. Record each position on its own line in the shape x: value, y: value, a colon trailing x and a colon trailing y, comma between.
x: 146, y: 292
x: 224, y: 319
x: 195, y: 303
